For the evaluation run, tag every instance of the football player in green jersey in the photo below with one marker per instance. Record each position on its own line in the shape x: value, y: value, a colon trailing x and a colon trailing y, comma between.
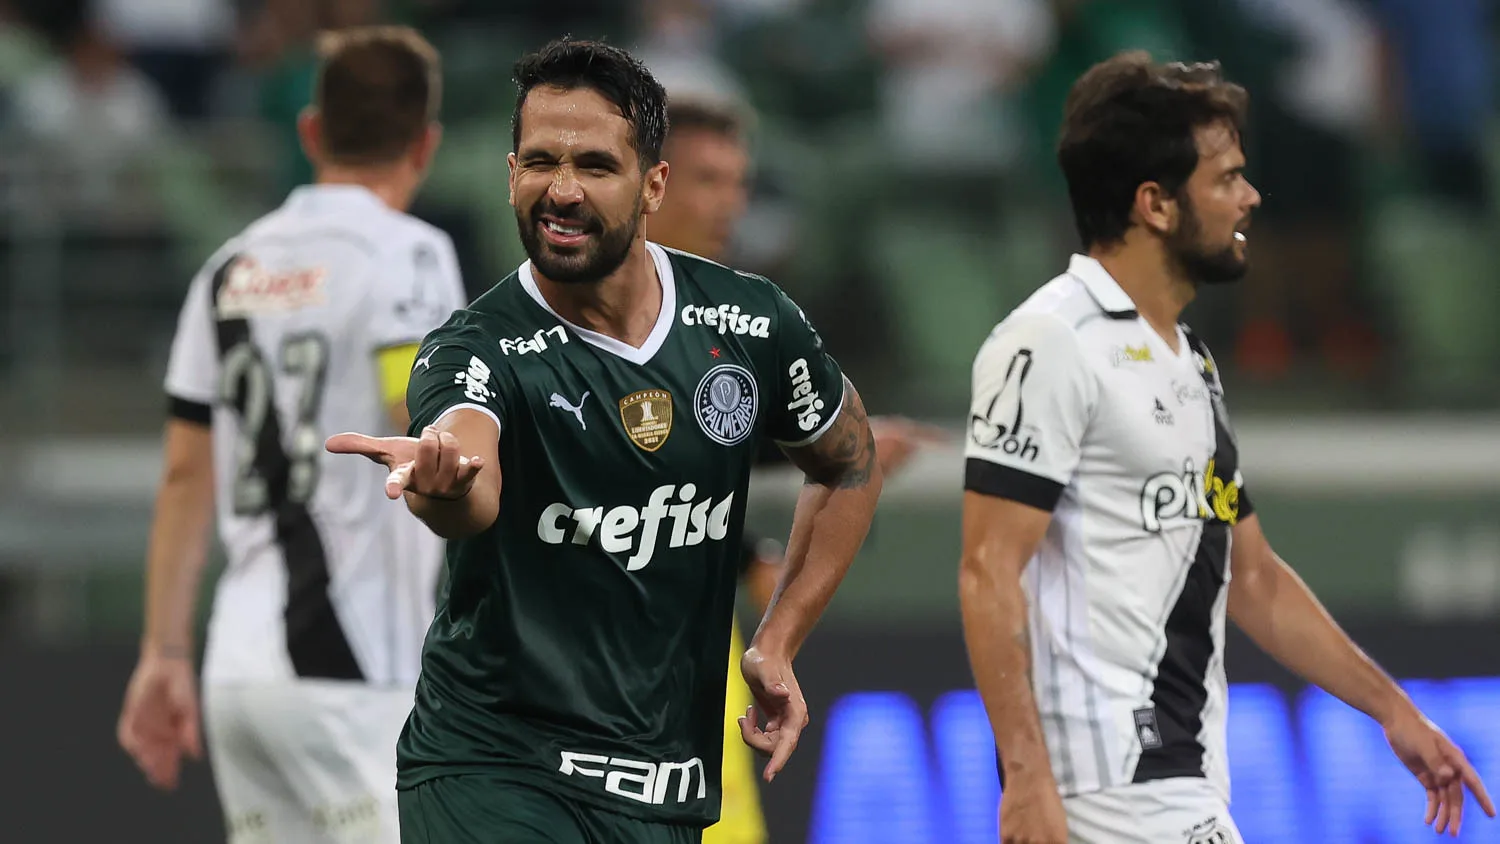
x: 573, y: 679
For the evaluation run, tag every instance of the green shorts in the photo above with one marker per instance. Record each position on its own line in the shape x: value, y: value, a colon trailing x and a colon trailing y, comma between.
x: 476, y: 809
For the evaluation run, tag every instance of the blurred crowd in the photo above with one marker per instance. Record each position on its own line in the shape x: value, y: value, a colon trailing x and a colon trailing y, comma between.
x: 904, y: 185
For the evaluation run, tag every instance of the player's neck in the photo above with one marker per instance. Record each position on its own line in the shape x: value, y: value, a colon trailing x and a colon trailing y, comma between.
x: 624, y: 305
x: 1152, y: 283
x: 387, y: 184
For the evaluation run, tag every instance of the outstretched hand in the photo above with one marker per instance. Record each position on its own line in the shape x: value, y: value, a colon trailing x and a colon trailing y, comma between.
x: 778, y: 699
x: 429, y: 465
x: 1442, y: 769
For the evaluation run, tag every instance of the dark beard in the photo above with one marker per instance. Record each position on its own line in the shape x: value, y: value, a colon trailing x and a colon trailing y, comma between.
x: 1220, y: 267
x: 1199, y: 265
x: 599, y: 257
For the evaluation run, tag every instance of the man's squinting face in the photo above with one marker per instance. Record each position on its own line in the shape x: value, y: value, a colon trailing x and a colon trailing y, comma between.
x: 1215, y: 206
x: 577, y: 185
x: 706, y: 194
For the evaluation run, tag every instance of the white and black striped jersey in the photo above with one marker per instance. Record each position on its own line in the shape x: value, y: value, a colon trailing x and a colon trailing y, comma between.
x: 277, y: 347
x: 1080, y: 408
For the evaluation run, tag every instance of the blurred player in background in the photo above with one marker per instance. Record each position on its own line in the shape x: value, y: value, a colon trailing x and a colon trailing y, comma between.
x: 708, y: 152
x: 1105, y: 509
x: 306, y: 323
x: 573, y: 682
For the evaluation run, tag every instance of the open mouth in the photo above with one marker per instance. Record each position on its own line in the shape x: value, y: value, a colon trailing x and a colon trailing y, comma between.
x: 563, y: 232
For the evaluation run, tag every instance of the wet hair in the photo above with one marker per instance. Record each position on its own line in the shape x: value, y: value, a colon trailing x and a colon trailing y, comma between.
x: 611, y: 72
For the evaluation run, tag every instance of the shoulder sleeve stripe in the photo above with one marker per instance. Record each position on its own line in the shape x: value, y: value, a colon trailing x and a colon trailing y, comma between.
x: 190, y: 411
x: 988, y: 478
x: 818, y: 434
x: 468, y: 406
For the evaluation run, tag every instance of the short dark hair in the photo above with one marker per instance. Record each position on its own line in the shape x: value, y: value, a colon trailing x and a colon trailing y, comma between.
x: 615, y: 74
x: 378, y: 88
x: 716, y: 116
x: 1130, y: 120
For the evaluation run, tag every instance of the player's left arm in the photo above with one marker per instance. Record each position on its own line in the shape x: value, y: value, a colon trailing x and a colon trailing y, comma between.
x: 818, y: 419
x: 833, y: 515
x: 1280, y: 614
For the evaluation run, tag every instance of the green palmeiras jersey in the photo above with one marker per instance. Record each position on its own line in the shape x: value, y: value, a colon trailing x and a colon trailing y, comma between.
x: 579, y: 644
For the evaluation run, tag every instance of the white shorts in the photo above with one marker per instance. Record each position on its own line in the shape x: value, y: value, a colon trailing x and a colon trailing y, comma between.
x: 308, y: 761
x: 1184, y: 810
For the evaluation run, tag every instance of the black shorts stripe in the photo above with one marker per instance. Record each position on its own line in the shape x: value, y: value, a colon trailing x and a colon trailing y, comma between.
x: 190, y: 411
x: 315, y: 639
x: 988, y: 478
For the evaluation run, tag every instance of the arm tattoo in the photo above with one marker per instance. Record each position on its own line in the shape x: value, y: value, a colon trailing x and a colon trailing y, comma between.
x: 844, y: 456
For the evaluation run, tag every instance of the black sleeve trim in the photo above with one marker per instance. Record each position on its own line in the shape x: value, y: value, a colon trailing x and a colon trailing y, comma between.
x: 190, y: 411
x: 988, y: 478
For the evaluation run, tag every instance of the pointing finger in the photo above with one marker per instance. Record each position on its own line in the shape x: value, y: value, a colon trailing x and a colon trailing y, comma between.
x: 352, y: 443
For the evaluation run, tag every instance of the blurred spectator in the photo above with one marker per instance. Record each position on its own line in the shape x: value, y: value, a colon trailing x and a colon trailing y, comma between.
x: 678, y: 43
x: 949, y: 67
x: 277, y: 42
x: 182, y: 45
x: 91, y: 107
x: 544, y: 19
x: 22, y: 52
x: 1446, y: 89
x: 1315, y: 100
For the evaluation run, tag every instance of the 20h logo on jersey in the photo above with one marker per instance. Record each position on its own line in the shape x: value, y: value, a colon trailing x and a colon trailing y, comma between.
x: 647, y: 417
x: 1000, y: 426
x: 725, y: 404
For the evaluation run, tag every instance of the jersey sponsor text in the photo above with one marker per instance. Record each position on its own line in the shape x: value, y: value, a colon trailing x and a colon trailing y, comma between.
x: 727, y: 318
x: 644, y: 782
x: 806, y: 402
x: 1192, y: 495
x: 476, y: 381
x: 535, y: 343
x: 629, y: 528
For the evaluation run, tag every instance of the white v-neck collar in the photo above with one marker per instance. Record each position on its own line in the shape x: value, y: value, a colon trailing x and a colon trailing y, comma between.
x: 604, y: 342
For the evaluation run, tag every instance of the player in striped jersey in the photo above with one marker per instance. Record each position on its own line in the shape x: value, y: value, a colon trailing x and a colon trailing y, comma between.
x: 1108, y: 532
x: 306, y: 323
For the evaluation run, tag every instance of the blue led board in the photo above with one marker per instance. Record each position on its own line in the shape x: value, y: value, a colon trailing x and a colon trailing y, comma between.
x: 1304, y: 768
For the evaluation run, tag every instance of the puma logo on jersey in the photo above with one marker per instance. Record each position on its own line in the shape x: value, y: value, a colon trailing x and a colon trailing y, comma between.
x: 727, y: 318
x: 577, y: 410
x: 637, y: 530
x: 426, y: 360
x: 806, y: 402
x: 1203, y: 496
x: 476, y: 381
